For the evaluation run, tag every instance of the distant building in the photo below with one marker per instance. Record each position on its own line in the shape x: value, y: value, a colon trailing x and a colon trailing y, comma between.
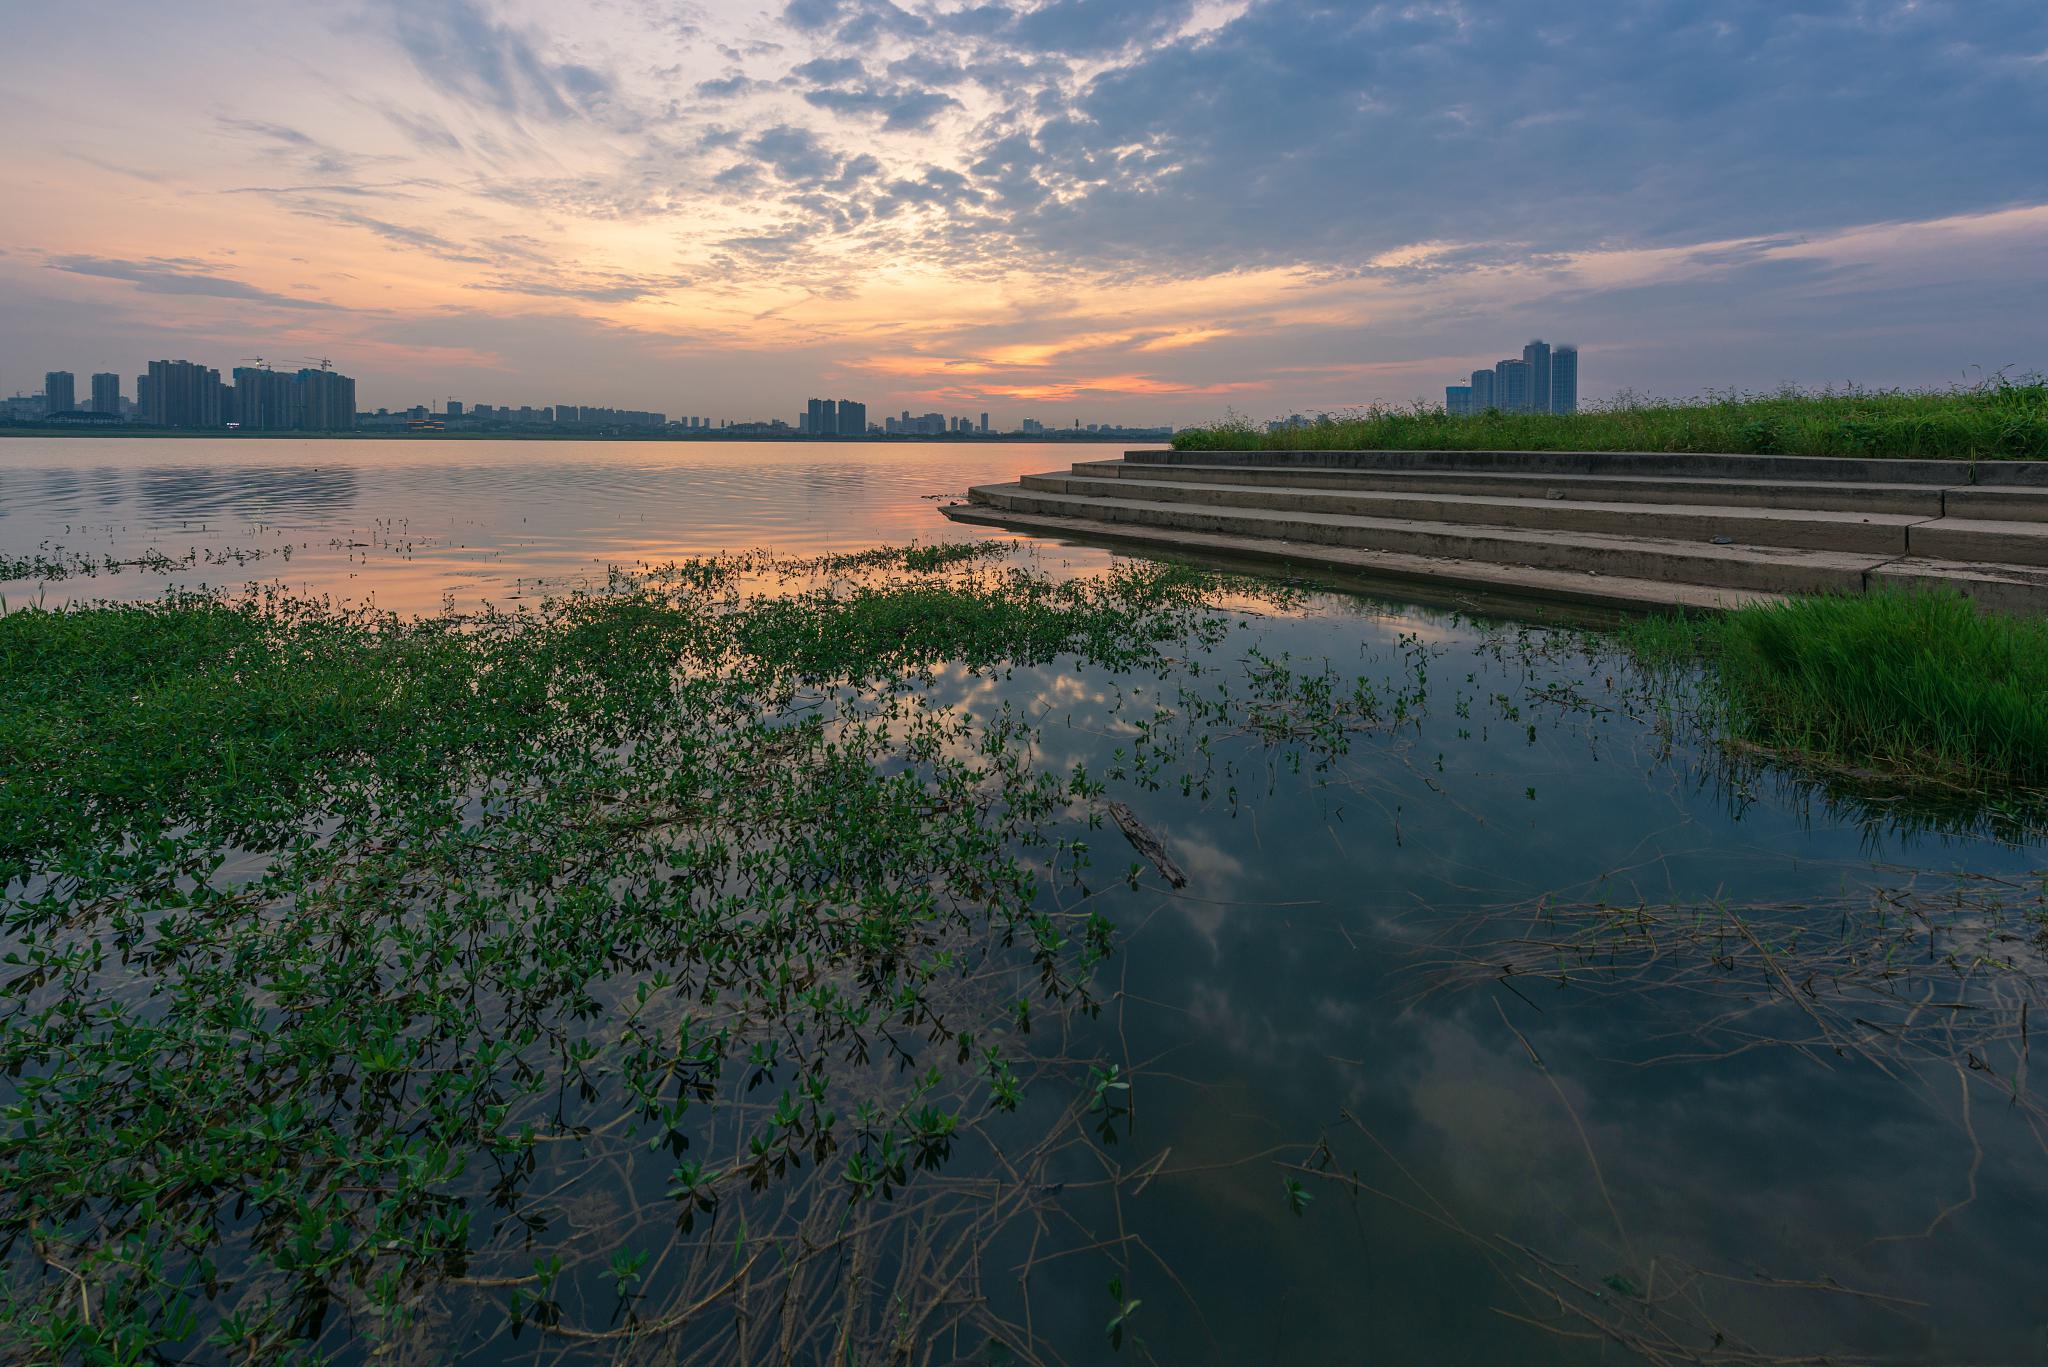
x: 984, y: 424
x: 266, y: 401
x: 184, y: 394
x: 327, y: 401
x: 852, y: 419
x: 1564, y: 380
x: 1536, y: 356
x: 1458, y: 400
x: 60, y: 391
x: 1511, y: 386
x: 454, y: 408
x: 1033, y: 427
x: 820, y: 418
x: 106, y: 393
x: 1482, y: 391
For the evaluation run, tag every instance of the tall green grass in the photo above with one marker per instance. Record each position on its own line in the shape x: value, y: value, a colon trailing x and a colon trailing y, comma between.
x: 1917, y: 687
x: 1998, y: 420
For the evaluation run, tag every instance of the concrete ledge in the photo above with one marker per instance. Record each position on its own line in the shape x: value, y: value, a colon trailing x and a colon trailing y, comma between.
x: 1817, y: 529
x: 1771, y: 569
x: 1969, y: 539
x: 1956, y: 472
x: 1920, y: 500
x: 1468, y: 584
x: 1593, y: 528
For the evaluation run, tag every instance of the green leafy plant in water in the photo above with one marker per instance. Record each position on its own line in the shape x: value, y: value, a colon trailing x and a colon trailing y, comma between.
x: 337, y: 944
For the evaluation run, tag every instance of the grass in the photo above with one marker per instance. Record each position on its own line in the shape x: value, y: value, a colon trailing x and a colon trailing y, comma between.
x: 1918, y: 688
x: 1998, y: 420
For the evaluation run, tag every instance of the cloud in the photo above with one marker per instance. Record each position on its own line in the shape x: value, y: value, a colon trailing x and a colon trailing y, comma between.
x: 796, y: 155
x: 596, y: 287
x: 460, y: 48
x: 418, y: 238
x: 727, y: 87
x: 830, y: 70
x: 1332, y: 133
x: 161, y: 275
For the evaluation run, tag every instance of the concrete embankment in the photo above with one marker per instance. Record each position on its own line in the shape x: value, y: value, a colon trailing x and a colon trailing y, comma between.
x: 1596, y: 528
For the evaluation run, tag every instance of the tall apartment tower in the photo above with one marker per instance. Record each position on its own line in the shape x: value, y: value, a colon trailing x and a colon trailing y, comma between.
x: 1482, y: 391
x: 984, y: 424
x: 1458, y: 400
x: 852, y: 419
x: 1564, y: 380
x: 1511, y: 386
x: 1536, y: 356
x: 266, y: 401
x: 106, y: 393
x: 327, y: 401
x: 821, y: 418
x: 182, y: 394
x: 60, y: 391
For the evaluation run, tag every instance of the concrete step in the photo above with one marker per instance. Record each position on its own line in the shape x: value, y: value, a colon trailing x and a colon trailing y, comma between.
x: 1468, y: 583
x: 2018, y: 589
x: 1872, y: 533
x: 1914, y: 500
x: 1980, y: 540
x: 1829, y: 469
x: 2001, y: 503
x: 1770, y: 569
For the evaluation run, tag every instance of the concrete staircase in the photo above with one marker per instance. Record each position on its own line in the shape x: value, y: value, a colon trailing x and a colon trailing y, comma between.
x: 1593, y: 528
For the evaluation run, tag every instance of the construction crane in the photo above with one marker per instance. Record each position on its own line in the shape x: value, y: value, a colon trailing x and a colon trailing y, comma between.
x: 321, y: 361
x: 257, y: 361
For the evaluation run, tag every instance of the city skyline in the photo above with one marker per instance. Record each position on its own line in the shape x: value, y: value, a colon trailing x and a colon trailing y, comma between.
x: 257, y: 397
x: 1015, y: 205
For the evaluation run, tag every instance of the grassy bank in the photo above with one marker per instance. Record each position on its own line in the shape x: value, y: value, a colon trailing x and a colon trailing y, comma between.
x: 1919, y: 690
x: 1996, y: 421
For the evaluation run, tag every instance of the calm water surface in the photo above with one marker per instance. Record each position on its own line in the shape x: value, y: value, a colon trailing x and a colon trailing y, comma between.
x: 1715, y: 1152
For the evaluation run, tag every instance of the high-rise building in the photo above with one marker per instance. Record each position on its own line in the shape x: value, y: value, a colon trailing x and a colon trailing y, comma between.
x: 1564, y: 380
x: 454, y: 408
x: 1536, y: 356
x: 852, y: 420
x: 1458, y: 400
x: 984, y: 424
x: 1511, y: 386
x: 106, y: 393
x: 266, y: 401
x: 184, y: 394
x: 327, y: 401
x: 1482, y: 391
x: 820, y: 418
x: 60, y: 391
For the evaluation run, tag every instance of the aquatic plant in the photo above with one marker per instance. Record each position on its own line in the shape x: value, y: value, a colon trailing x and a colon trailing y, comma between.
x: 1919, y: 689
x: 342, y: 949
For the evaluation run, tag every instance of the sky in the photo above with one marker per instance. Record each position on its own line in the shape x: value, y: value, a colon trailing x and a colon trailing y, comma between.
x: 1107, y: 210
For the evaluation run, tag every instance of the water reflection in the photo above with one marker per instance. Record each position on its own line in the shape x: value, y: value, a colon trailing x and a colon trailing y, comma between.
x: 1549, y: 1164
x: 467, y: 522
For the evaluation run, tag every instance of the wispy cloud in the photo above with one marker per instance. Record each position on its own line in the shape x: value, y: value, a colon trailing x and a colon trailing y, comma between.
x: 178, y: 277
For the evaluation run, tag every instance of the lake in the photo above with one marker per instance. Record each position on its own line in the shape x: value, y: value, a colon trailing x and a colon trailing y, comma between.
x: 1499, y: 1019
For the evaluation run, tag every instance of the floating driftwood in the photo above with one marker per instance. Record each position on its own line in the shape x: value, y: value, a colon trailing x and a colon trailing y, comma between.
x: 1147, y: 844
